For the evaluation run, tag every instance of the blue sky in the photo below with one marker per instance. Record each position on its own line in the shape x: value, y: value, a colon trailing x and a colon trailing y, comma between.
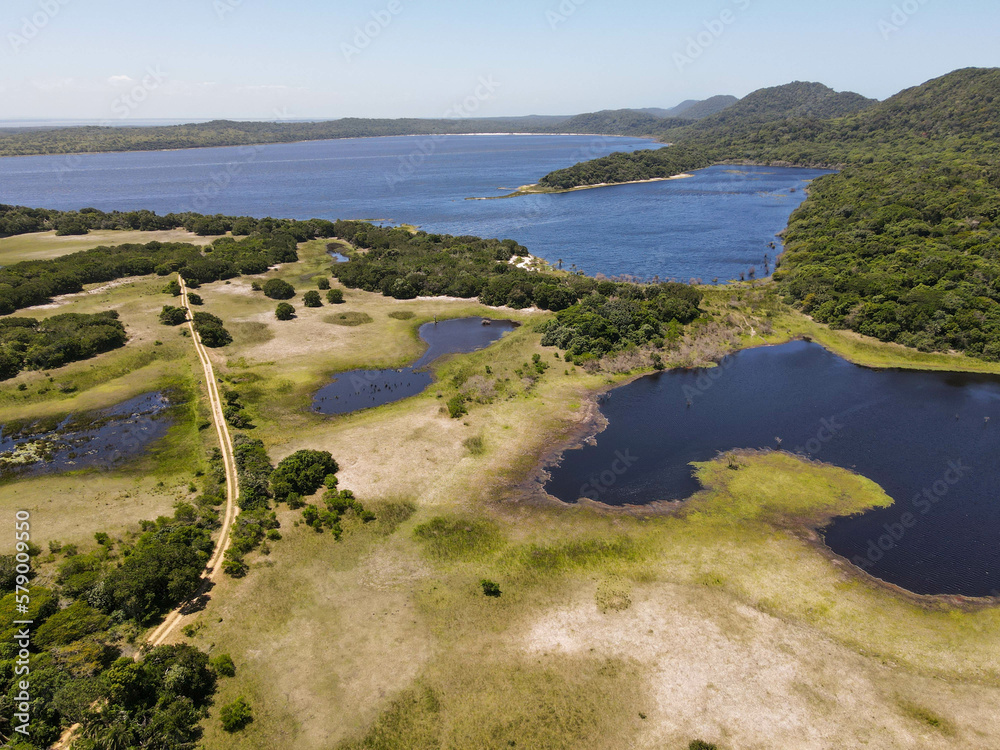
x: 140, y: 59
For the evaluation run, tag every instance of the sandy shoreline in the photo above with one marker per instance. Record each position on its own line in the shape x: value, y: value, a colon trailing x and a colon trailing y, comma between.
x: 536, y: 189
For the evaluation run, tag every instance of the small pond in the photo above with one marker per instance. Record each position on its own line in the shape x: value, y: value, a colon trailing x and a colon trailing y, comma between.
x: 366, y: 389
x: 101, y: 439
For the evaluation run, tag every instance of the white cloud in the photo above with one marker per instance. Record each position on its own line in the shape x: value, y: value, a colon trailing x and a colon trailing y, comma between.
x: 120, y: 80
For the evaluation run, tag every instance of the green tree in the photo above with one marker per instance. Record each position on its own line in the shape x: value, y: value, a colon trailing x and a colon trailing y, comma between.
x: 284, y: 311
x: 236, y: 715
x: 173, y: 316
x: 278, y: 289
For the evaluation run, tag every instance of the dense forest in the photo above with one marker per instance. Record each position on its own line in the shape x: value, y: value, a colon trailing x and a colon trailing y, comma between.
x: 903, y: 243
x: 595, y: 317
x: 26, y: 343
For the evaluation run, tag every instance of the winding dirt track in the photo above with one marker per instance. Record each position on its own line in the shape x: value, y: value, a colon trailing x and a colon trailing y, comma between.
x: 214, y: 567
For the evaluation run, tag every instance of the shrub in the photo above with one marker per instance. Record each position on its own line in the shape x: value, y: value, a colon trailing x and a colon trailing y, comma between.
x: 284, y: 311
x: 702, y: 745
x: 312, y: 299
x: 302, y: 473
x: 490, y: 588
x: 223, y: 665
x: 335, y: 296
x: 323, y: 284
x: 173, y: 288
x: 195, y: 299
x: 456, y: 407
x: 278, y: 289
x: 173, y: 316
x: 236, y: 715
x: 402, y: 315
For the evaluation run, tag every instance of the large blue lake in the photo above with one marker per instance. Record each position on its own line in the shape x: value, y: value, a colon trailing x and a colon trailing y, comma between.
x: 716, y: 224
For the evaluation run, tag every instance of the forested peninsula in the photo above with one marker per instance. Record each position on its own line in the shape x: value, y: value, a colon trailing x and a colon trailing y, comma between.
x: 902, y: 243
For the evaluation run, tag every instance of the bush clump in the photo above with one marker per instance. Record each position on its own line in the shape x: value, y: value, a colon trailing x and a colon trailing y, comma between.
x: 211, y: 331
x: 236, y: 715
x: 173, y: 316
x: 278, y: 289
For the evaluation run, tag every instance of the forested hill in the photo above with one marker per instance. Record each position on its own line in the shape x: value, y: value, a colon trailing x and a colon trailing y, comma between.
x: 903, y: 243
x: 793, y: 100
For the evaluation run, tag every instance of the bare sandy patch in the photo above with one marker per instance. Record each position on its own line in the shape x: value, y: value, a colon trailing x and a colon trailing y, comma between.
x: 727, y: 673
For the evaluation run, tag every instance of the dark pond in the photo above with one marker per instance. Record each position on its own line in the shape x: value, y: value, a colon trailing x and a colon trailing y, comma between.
x: 929, y: 439
x: 365, y: 389
x: 100, y: 439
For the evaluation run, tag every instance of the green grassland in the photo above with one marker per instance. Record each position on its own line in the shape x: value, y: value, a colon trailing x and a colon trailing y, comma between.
x: 46, y: 245
x: 722, y: 620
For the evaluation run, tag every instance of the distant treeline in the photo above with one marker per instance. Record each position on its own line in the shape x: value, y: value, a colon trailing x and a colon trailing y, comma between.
x: 93, y: 139
x: 904, y: 243
x: 15, y: 220
x: 595, y: 317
